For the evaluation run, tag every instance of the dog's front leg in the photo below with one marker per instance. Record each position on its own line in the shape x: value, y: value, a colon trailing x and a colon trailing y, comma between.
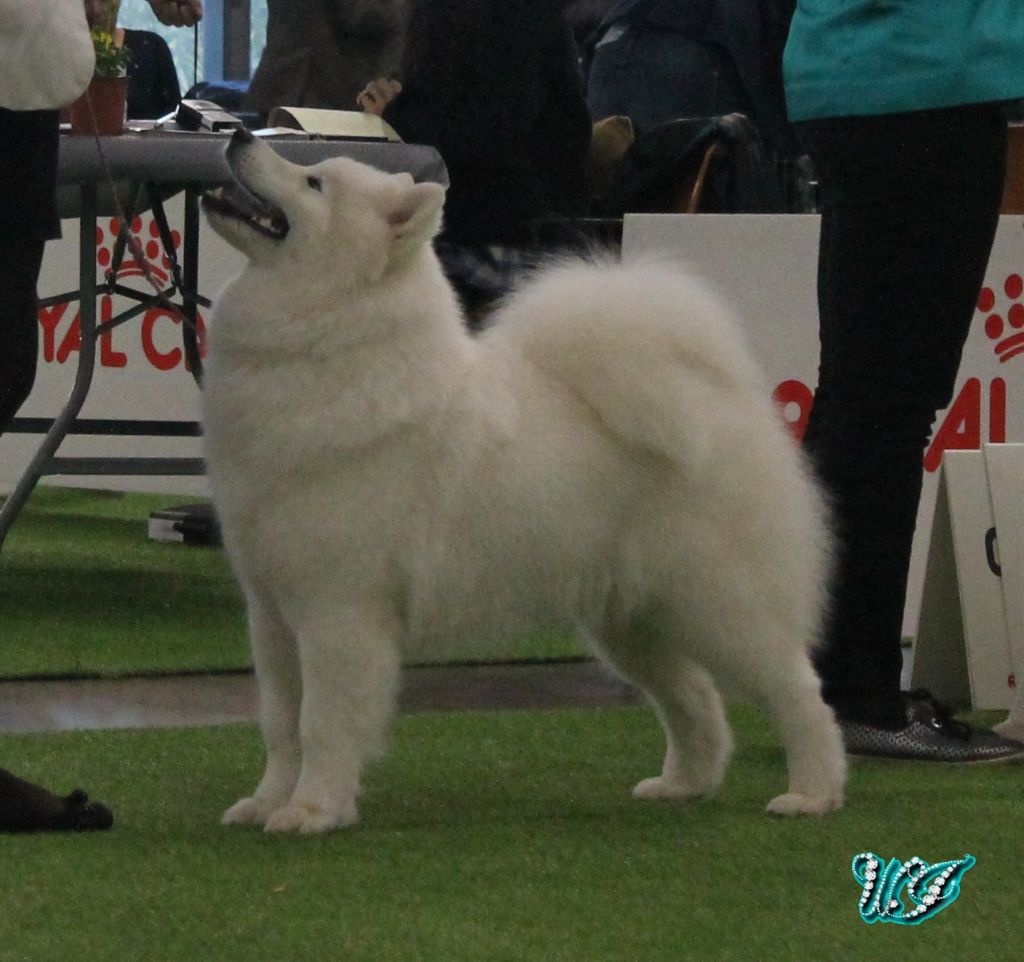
x: 350, y: 674
x: 280, y: 691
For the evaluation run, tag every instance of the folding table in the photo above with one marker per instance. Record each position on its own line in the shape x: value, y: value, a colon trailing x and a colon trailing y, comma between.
x: 143, y: 168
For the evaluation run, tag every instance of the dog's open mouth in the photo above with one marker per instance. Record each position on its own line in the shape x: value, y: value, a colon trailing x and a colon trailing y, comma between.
x: 237, y: 202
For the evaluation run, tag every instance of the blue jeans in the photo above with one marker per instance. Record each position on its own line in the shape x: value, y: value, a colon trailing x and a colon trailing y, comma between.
x: 910, y: 205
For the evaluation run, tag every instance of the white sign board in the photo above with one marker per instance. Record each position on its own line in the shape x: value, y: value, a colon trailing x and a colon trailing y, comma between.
x: 970, y: 642
x: 765, y: 266
x: 140, y: 366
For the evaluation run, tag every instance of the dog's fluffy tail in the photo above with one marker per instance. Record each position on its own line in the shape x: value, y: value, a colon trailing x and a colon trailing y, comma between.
x: 649, y: 348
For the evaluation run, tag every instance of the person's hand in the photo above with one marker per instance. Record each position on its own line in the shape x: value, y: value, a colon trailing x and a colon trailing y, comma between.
x: 178, y: 13
x: 377, y: 94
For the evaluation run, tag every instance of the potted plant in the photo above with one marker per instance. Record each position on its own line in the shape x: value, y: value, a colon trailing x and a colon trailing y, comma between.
x: 101, y: 108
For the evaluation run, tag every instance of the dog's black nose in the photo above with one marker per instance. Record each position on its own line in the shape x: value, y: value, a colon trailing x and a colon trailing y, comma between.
x: 242, y: 136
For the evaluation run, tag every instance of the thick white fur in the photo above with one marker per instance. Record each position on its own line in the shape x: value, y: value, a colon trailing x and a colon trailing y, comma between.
x: 605, y: 455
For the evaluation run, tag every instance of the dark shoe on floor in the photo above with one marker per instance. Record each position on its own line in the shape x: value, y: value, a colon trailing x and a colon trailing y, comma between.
x: 27, y: 807
x: 931, y: 734
x: 81, y: 815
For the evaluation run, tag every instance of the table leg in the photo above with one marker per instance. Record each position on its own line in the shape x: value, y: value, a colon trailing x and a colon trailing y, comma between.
x: 83, y: 375
x: 190, y: 269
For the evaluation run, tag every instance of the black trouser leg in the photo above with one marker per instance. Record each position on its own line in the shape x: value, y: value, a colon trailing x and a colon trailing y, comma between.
x: 19, y: 325
x: 909, y: 211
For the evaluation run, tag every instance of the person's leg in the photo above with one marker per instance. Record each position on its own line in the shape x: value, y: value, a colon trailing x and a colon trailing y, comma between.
x: 19, y: 327
x: 29, y: 151
x: 908, y: 219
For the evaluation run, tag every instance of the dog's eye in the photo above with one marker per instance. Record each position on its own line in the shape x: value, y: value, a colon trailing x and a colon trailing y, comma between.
x: 315, y: 183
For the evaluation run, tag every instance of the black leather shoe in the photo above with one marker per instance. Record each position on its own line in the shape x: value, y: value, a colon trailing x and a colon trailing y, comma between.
x: 82, y: 815
x: 931, y: 734
x: 27, y: 807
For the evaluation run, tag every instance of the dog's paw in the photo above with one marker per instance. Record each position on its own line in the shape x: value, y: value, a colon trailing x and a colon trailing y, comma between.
x: 247, y: 811
x: 308, y: 819
x: 661, y: 789
x: 793, y: 803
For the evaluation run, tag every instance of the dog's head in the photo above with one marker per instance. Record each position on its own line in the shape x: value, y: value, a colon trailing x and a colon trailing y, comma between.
x: 338, y: 219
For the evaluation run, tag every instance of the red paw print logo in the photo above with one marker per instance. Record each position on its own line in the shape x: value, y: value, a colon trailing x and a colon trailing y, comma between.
x: 156, y: 259
x: 1007, y: 330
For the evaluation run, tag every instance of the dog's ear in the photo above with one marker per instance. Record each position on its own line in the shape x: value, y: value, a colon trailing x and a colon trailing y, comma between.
x: 416, y: 213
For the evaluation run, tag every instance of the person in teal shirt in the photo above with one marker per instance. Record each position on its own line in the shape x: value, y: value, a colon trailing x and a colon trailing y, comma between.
x: 856, y: 58
x: 899, y: 105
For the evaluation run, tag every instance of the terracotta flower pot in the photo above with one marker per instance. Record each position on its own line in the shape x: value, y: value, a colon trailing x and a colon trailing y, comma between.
x: 101, y: 109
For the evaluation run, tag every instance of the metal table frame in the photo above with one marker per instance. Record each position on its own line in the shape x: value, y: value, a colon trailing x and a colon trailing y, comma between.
x: 153, y: 164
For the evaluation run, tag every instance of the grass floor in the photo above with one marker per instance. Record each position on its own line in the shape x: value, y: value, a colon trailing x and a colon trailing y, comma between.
x: 492, y: 837
x: 83, y: 591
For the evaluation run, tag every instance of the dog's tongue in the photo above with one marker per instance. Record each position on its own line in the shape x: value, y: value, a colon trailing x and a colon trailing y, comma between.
x: 235, y: 199
x: 245, y: 203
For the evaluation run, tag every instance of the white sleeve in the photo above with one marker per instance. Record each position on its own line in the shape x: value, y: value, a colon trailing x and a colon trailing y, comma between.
x: 46, y: 53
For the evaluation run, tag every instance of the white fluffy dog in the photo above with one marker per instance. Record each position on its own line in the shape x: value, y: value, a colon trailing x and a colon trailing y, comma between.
x: 605, y: 456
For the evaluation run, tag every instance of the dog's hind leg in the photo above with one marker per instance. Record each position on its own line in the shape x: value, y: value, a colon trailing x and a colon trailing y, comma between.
x: 350, y: 676
x: 777, y: 675
x: 280, y: 693
x: 698, y: 741
x: 815, y: 756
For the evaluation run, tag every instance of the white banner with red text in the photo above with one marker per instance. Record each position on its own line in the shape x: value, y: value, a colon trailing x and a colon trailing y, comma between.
x: 764, y: 266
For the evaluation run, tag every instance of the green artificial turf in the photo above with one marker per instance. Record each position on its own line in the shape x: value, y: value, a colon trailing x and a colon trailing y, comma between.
x: 83, y: 591
x: 491, y: 837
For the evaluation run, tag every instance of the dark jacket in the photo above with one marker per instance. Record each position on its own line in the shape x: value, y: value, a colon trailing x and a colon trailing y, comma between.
x: 152, y: 79
x: 321, y: 53
x: 752, y: 33
x: 513, y: 128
